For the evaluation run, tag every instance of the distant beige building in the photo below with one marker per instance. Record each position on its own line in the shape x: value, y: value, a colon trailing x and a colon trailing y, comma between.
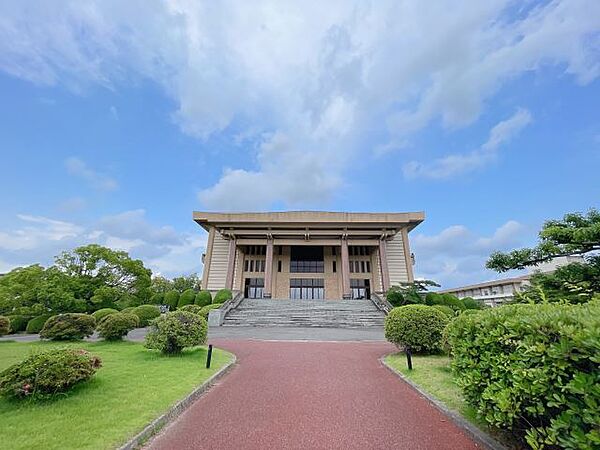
x: 307, y: 254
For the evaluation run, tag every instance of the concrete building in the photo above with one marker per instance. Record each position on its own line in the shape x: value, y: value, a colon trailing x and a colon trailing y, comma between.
x: 496, y: 292
x: 307, y: 254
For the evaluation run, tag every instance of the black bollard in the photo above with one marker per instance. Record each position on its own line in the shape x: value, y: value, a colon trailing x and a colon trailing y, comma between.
x: 409, y: 358
x: 209, y: 356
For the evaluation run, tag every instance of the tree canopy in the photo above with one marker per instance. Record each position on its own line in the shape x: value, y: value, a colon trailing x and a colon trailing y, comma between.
x: 575, y: 234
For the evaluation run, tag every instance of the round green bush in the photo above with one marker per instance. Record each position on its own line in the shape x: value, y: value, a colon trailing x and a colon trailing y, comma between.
x: 36, y: 324
x: 222, y: 296
x: 186, y: 298
x: 4, y: 325
x: 418, y: 327
x: 18, y: 323
x: 206, y: 309
x: 101, y: 313
x: 114, y: 326
x: 445, y: 309
x: 146, y: 313
x: 471, y: 303
x: 158, y: 299
x: 70, y: 326
x: 172, y: 299
x: 45, y: 374
x: 196, y: 309
x: 174, y: 331
x: 532, y: 369
x: 203, y: 298
x: 129, y: 309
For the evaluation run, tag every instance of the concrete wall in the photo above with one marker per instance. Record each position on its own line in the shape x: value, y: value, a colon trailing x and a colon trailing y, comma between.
x: 397, y: 260
x: 218, y: 263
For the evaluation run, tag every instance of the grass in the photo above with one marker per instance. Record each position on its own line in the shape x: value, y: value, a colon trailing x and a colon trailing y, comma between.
x: 433, y: 374
x: 134, y: 386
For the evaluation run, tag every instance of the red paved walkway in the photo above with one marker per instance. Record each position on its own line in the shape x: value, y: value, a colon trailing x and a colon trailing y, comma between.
x: 311, y: 395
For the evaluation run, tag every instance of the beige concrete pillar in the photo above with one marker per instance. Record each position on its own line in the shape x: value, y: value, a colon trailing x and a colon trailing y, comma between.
x: 346, y: 294
x: 230, y: 264
x: 268, y: 289
x: 383, y: 263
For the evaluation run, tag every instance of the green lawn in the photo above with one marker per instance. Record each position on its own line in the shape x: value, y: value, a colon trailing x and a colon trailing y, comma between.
x: 433, y: 374
x: 134, y: 386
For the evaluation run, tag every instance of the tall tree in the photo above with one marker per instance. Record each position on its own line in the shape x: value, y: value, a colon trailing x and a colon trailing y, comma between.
x: 575, y: 234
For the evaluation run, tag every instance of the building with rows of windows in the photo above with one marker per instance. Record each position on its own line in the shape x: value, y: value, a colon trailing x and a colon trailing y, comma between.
x: 307, y: 254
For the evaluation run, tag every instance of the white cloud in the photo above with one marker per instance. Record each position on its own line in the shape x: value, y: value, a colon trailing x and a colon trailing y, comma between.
x: 161, y: 248
x: 456, y: 256
x: 456, y: 164
x: 321, y: 76
x: 97, y: 180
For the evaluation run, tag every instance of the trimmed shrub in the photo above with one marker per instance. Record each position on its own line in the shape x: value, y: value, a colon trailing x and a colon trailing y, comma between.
x: 114, y: 326
x: 186, y: 298
x: 222, y: 296
x: 174, y: 331
x: 206, y: 309
x: 4, y: 325
x: 64, y: 327
x: 203, y: 298
x: 158, y: 299
x: 129, y: 309
x: 533, y: 369
x: 445, y: 309
x: 196, y: 309
x: 172, y: 299
x: 18, y: 323
x: 419, y: 327
x: 36, y: 324
x: 471, y: 303
x: 46, y: 374
x: 101, y: 313
x: 146, y: 313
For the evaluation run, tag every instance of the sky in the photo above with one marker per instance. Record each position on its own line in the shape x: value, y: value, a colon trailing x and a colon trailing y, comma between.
x: 118, y: 119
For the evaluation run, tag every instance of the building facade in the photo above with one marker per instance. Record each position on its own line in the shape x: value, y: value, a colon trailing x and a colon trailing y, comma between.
x: 307, y: 254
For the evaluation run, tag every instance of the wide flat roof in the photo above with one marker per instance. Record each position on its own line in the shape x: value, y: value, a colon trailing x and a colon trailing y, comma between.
x: 487, y: 284
x: 310, y: 218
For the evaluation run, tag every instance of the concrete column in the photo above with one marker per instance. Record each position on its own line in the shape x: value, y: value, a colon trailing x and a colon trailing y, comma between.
x: 267, y: 291
x: 383, y: 263
x: 230, y: 264
x: 346, y: 294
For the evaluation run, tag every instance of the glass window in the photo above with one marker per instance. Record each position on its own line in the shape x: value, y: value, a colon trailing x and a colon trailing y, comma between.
x: 251, y: 265
x: 279, y: 266
x: 368, y: 266
x: 334, y: 267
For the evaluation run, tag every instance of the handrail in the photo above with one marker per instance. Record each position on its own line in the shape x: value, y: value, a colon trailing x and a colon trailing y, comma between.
x: 232, y: 303
x: 381, y: 303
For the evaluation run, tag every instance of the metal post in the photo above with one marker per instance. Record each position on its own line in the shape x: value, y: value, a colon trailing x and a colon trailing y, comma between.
x: 408, y: 358
x: 209, y: 356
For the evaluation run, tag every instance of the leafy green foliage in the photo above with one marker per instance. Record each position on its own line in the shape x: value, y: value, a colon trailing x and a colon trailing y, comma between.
x: 45, y: 374
x: 172, y: 300
x: 471, y: 303
x: 183, y: 283
x: 101, y: 313
x: 36, y: 324
x: 186, y: 298
x: 146, y: 313
x: 409, y: 293
x: 533, y: 369
x: 576, y: 233
x: 196, y: 309
x: 68, y: 326
x: 445, y: 309
x: 174, y: 331
x: 203, y: 298
x: 206, y: 309
x: 418, y: 327
x: 18, y: 323
x: 222, y: 296
x: 435, y: 298
x: 157, y: 299
x: 4, y: 325
x: 114, y: 326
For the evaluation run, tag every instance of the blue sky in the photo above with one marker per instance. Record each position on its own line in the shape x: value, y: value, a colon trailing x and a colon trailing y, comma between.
x: 118, y: 119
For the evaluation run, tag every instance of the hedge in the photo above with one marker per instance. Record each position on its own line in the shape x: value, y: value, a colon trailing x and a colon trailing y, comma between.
x: 187, y: 298
x: 222, y: 296
x: 70, y: 326
x: 196, y: 309
x: 158, y: 299
x: 114, y: 326
x: 146, y: 313
x: 206, y: 309
x: 18, y: 323
x: 172, y: 299
x: 36, y: 324
x: 203, y: 298
x: 445, y: 309
x: 175, y: 331
x: 533, y: 369
x: 101, y: 313
x: 419, y: 327
x: 4, y: 325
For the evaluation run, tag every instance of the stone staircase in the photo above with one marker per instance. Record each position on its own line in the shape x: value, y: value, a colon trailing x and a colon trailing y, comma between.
x: 305, y: 313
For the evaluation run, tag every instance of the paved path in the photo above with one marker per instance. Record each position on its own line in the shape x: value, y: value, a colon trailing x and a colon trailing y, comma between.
x: 311, y: 395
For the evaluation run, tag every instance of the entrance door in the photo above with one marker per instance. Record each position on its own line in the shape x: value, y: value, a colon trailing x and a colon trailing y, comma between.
x: 360, y: 288
x: 254, y: 287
